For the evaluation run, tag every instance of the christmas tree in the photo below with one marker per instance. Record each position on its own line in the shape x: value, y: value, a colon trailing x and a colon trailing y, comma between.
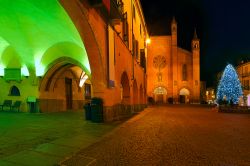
x: 229, y: 88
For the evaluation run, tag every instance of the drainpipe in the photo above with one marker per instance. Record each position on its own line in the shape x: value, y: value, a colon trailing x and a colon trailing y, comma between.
x: 107, y: 47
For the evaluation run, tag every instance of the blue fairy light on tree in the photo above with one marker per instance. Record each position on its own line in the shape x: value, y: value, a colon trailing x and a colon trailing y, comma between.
x: 229, y: 87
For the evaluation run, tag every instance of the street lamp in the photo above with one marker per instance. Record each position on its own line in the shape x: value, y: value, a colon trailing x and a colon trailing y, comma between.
x: 148, y: 41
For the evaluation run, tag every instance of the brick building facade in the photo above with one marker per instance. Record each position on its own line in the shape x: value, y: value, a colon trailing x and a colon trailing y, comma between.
x: 68, y: 51
x: 243, y: 71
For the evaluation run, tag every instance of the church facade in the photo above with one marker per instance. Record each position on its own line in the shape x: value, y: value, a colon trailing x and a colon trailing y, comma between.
x: 173, y: 73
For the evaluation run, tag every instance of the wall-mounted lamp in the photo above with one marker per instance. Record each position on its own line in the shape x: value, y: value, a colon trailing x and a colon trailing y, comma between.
x: 148, y: 41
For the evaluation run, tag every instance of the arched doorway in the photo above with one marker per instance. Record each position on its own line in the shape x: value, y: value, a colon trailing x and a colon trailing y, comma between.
x: 65, y: 86
x: 125, y: 90
x: 141, y: 95
x: 184, y: 95
x: 160, y: 94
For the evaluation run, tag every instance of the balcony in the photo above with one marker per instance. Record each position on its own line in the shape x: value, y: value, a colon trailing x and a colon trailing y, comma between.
x: 116, y: 9
x: 112, y: 9
x: 96, y: 3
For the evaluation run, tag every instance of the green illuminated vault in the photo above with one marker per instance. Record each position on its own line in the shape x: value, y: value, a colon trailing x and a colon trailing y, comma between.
x: 34, y: 33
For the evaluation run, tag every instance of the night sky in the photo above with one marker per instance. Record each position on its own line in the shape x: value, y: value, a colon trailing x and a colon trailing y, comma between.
x: 223, y: 27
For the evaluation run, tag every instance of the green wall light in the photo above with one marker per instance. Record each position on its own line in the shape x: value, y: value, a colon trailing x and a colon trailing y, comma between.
x: 2, y: 70
x: 25, y: 71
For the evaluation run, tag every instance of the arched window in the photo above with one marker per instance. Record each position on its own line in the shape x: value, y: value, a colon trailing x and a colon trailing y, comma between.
x: 184, y: 72
x: 14, y: 91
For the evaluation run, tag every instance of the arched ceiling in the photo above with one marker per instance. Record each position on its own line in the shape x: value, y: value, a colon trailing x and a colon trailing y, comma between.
x: 32, y: 27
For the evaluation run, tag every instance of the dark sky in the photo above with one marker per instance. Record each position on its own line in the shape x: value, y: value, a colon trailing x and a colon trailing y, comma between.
x: 222, y: 25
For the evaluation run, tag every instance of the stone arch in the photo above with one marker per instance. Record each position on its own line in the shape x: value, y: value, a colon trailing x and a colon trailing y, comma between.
x: 7, y: 56
x: 184, y: 95
x: 4, y: 45
x: 135, y: 92
x: 184, y: 91
x: 160, y: 90
x: 59, y: 84
x: 160, y: 94
x: 67, y: 51
x: 77, y: 13
x: 55, y: 67
x: 125, y: 89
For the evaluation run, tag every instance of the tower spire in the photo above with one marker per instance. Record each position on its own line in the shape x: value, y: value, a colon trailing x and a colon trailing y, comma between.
x: 173, y: 20
x: 195, y: 34
x: 195, y: 41
x: 173, y: 26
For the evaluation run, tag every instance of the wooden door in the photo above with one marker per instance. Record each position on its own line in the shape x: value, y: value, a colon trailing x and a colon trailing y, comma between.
x: 68, y: 92
x: 160, y: 98
x: 182, y: 98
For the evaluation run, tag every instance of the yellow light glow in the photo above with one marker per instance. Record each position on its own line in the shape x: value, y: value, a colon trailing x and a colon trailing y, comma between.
x: 148, y: 41
x: 83, y: 78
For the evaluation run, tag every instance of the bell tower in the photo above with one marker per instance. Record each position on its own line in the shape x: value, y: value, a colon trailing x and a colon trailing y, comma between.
x: 174, y: 31
x: 174, y: 60
x: 196, y: 67
x: 195, y: 42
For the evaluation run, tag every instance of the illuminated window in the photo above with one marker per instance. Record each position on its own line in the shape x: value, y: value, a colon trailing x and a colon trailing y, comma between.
x: 184, y: 72
x: 14, y: 91
x: 143, y: 59
x: 133, y: 11
x: 125, y: 29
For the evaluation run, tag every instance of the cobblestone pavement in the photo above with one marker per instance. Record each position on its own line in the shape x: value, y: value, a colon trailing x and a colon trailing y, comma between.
x: 173, y: 135
x: 34, y: 139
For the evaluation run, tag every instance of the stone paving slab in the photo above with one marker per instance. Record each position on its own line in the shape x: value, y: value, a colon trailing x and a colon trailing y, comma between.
x: 76, y: 142
x: 80, y: 161
x: 55, y: 150
x: 46, y: 138
x: 7, y: 163
x: 32, y: 158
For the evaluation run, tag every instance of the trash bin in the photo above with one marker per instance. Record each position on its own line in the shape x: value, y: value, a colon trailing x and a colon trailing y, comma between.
x: 97, y: 110
x: 87, y: 109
